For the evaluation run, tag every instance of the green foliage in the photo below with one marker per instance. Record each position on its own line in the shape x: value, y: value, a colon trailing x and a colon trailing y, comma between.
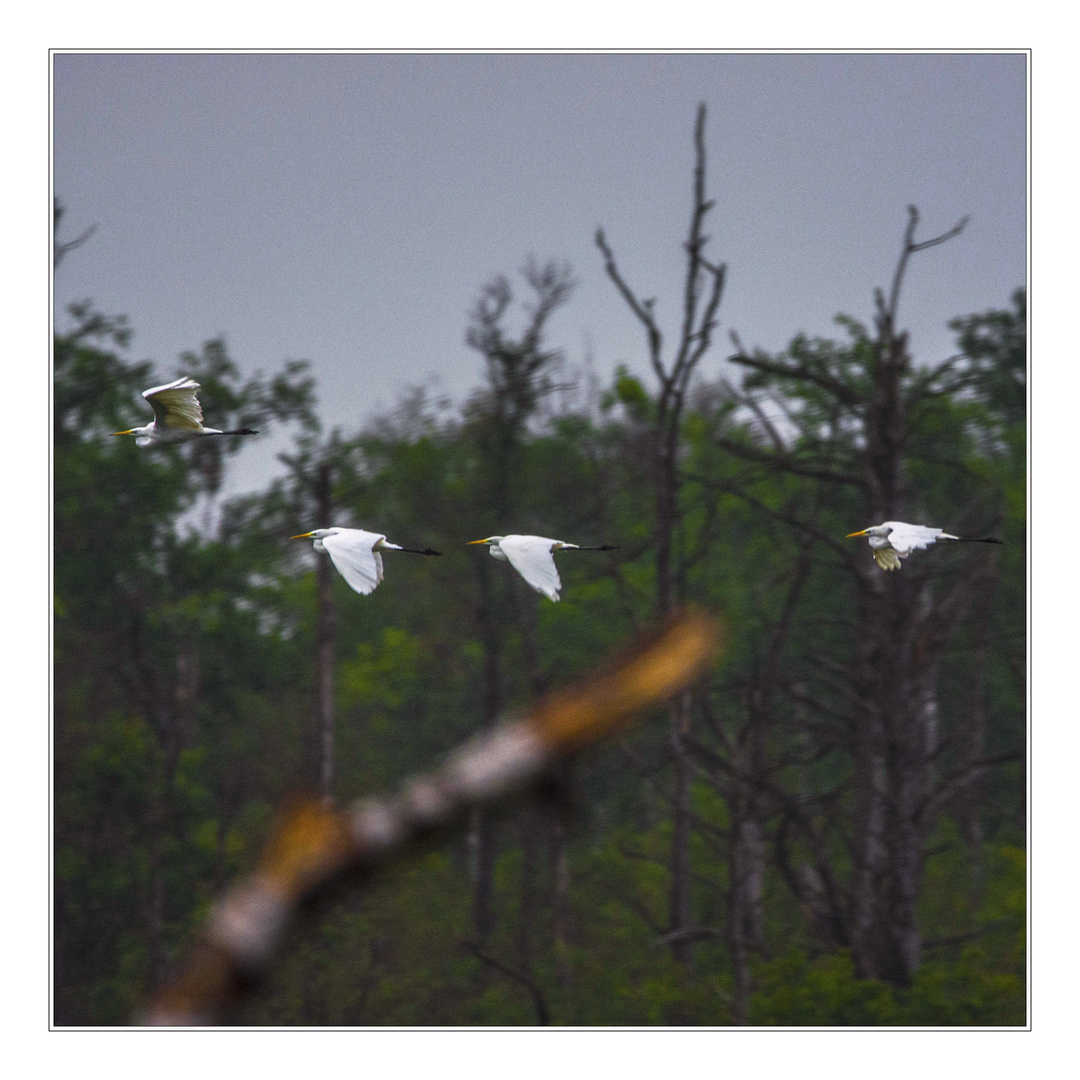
x: 185, y: 685
x: 967, y: 992
x: 629, y: 392
x: 972, y: 978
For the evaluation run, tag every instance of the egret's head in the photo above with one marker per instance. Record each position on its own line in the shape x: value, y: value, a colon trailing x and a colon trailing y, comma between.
x: 315, y: 534
x: 873, y: 530
x: 487, y: 540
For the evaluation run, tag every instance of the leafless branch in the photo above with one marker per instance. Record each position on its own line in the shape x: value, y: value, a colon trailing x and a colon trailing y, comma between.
x: 543, y: 1017
x: 957, y: 780
x: 642, y: 309
x: 694, y: 340
x: 691, y: 933
x: 61, y: 248
x: 751, y: 402
x: 971, y: 935
x: 786, y: 463
x: 780, y: 515
x: 888, y: 313
x: 805, y: 698
x: 818, y: 892
x: 636, y: 905
x: 800, y: 373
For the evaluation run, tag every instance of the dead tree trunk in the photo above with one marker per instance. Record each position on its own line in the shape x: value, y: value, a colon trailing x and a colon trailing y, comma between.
x: 969, y: 802
x: 890, y: 682
x: 897, y: 675
x: 560, y: 902
x: 528, y: 906
x: 168, y: 703
x: 702, y: 290
x: 325, y: 640
x: 680, y: 902
x: 481, y: 834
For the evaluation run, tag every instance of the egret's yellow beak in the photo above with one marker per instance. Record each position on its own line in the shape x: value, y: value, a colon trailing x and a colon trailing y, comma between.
x: 484, y: 541
x: 130, y: 431
x: 302, y: 536
x: 861, y: 532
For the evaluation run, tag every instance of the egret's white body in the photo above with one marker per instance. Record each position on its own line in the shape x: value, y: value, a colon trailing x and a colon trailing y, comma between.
x: 355, y: 552
x: 177, y: 416
x: 533, y: 558
x: 892, y: 541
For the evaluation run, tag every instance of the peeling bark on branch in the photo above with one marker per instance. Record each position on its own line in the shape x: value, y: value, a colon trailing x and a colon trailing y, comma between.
x: 316, y: 846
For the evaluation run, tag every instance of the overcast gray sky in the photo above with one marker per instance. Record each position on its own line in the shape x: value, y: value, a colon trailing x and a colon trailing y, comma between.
x: 348, y: 208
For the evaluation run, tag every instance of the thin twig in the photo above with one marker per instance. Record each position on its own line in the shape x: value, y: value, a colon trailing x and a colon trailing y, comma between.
x: 543, y: 1017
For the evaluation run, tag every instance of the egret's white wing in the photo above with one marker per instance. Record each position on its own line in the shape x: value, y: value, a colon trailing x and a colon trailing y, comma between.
x: 353, y: 552
x: 531, y: 557
x: 175, y: 404
x: 906, y: 538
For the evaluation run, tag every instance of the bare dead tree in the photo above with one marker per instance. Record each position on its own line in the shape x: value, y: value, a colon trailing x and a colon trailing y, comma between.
x: 702, y: 290
x: 324, y: 635
x: 903, y: 621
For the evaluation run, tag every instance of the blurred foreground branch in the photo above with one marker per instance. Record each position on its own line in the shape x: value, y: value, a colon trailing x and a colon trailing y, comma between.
x: 316, y: 843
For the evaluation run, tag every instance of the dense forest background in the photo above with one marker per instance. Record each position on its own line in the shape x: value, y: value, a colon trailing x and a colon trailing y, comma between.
x: 830, y: 830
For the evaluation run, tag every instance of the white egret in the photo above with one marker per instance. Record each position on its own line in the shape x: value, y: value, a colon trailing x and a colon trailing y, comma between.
x: 532, y: 558
x: 895, y: 540
x: 177, y: 416
x: 355, y: 552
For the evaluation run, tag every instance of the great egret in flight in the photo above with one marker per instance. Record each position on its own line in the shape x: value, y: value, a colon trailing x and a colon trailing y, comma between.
x: 532, y: 558
x: 177, y: 416
x: 355, y: 552
x: 895, y: 540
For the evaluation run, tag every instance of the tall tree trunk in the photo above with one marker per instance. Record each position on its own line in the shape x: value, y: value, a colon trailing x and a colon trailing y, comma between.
x: 914, y: 745
x: 890, y: 682
x: 680, y: 900
x: 481, y: 833
x: 155, y: 908
x: 536, y: 817
x: 560, y: 903
x: 969, y: 803
x: 869, y: 852
x: 745, y: 862
x: 747, y: 849
x: 895, y: 745
x: 680, y: 909
x: 898, y: 681
x: 666, y: 505
x: 175, y: 726
x: 883, y: 663
x: 702, y: 290
x: 749, y: 875
x: 527, y: 908
x: 325, y: 641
